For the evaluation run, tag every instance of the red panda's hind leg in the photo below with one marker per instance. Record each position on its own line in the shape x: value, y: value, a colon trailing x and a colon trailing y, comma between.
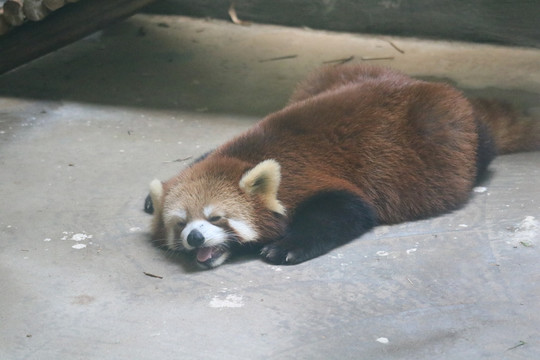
x: 321, y: 223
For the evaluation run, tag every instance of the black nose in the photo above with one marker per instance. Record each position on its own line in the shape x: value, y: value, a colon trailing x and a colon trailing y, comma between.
x: 195, y: 238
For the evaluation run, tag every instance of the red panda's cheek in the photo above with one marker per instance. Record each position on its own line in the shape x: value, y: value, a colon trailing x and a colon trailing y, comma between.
x: 244, y: 230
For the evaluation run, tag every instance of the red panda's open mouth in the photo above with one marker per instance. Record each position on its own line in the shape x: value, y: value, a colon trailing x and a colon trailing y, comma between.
x: 206, y: 255
x: 203, y: 254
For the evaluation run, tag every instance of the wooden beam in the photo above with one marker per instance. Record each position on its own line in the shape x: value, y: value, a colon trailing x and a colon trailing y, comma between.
x: 13, y: 12
x: 34, y: 39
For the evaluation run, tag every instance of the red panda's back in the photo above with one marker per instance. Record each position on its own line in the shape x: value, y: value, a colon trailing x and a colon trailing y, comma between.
x: 407, y: 147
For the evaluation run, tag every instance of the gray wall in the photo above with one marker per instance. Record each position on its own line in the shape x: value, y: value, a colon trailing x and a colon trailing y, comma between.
x: 511, y: 22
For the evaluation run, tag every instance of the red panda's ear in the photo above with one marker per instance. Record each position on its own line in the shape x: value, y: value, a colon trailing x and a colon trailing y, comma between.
x: 263, y: 180
x: 156, y: 194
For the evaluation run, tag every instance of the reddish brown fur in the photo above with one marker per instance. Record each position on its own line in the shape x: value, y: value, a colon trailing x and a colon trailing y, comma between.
x: 405, y: 146
x: 511, y: 131
x: 215, y: 180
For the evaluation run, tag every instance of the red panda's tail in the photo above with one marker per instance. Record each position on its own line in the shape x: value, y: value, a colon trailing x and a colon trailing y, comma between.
x: 511, y: 131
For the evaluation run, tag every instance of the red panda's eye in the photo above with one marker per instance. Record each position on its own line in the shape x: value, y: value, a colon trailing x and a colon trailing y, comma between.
x: 181, y: 223
x: 215, y: 218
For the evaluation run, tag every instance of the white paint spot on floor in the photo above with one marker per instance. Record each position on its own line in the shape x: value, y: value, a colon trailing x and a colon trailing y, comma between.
x: 134, y: 229
x: 526, y: 232
x: 410, y: 251
x: 276, y: 268
x: 80, y: 237
x: 47, y: 239
x: 480, y: 189
x: 382, y: 253
x: 528, y: 224
x: 383, y: 340
x: 463, y: 225
x: 230, y: 301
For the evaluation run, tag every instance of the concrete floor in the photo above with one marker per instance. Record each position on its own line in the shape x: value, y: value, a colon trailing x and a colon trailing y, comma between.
x: 83, y: 131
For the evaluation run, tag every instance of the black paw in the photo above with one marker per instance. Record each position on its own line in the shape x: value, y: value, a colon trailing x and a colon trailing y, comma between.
x: 321, y: 223
x: 281, y: 253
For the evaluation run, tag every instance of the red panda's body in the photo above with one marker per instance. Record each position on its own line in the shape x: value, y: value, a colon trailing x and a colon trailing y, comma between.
x: 357, y: 146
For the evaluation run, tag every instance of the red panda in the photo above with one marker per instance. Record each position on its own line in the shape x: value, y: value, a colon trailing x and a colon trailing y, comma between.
x: 355, y: 147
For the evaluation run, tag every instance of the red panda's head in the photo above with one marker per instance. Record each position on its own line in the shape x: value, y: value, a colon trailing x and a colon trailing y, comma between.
x: 217, y: 203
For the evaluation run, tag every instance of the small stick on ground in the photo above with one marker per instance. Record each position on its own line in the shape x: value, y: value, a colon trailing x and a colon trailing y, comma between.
x: 279, y: 58
x: 178, y: 160
x: 377, y: 58
x: 339, y: 61
x: 152, y: 275
x: 520, y: 343
x: 395, y: 46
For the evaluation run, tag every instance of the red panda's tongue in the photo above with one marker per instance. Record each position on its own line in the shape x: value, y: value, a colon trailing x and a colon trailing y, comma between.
x: 204, y: 254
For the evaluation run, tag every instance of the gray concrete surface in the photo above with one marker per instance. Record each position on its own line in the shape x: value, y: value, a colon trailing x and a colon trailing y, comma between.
x: 83, y: 131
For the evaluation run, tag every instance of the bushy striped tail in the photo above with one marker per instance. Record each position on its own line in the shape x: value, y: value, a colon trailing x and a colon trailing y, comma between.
x: 510, y: 130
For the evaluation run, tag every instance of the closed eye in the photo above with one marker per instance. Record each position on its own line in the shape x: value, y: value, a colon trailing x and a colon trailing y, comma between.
x: 215, y: 218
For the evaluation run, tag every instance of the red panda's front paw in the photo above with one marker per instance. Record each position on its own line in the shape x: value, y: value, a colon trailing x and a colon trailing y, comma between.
x: 280, y: 255
x: 290, y: 251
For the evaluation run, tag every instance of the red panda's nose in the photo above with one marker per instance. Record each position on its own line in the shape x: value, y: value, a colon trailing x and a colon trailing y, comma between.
x: 195, y: 238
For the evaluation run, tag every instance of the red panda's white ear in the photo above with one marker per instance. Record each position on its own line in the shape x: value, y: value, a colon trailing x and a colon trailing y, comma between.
x: 263, y: 180
x: 156, y: 194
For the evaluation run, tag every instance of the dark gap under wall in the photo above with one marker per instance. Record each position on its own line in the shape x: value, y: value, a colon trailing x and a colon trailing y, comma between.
x: 490, y: 21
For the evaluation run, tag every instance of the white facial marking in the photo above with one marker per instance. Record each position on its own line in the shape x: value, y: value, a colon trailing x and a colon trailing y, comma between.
x: 174, y: 216
x: 245, y: 231
x: 170, y: 237
x: 213, y: 235
x: 207, y: 211
x: 220, y: 260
